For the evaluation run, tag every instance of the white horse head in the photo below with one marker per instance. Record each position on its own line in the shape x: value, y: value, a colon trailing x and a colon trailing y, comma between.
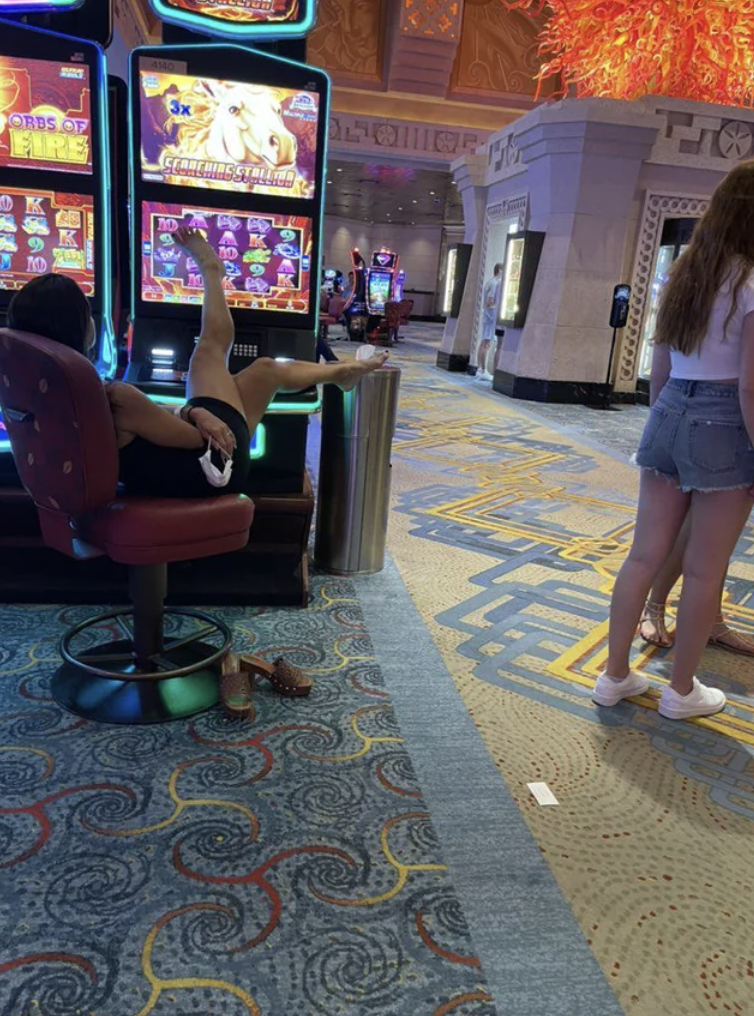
x: 248, y: 127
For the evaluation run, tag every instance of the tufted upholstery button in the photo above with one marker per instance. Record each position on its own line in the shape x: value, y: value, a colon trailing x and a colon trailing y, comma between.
x: 30, y: 458
x: 43, y: 386
x: 67, y: 467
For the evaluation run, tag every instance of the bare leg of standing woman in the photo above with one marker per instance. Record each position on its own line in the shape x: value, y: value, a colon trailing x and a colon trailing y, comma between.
x: 662, y: 509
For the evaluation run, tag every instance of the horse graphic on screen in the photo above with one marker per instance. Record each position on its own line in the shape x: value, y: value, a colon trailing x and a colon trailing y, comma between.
x: 232, y: 124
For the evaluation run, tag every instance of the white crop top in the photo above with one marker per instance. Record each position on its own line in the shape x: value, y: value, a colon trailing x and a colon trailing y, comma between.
x: 718, y: 357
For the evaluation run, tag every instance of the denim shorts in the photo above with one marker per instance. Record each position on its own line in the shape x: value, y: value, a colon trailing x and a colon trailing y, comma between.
x: 696, y: 435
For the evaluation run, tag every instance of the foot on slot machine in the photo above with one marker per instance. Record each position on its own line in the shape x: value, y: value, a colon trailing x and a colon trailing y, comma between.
x: 193, y: 243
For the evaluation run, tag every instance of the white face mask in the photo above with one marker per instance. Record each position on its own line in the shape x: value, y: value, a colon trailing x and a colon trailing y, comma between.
x: 214, y: 476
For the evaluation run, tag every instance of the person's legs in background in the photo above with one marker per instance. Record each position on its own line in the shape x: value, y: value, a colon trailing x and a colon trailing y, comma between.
x: 324, y: 352
x: 653, y: 627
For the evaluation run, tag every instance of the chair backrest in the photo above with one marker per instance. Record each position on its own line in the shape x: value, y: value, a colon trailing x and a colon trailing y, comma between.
x: 59, y: 423
x: 406, y: 307
x: 336, y: 306
x: 392, y: 314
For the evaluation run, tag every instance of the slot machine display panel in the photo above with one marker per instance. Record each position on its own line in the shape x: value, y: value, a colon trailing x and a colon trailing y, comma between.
x: 240, y: 20
x: 80, y: 19
x: 54, y: 167
x: 379, y: 290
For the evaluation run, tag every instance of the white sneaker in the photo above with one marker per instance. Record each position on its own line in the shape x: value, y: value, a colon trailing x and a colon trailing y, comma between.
x: 701, y: 701
x: 483, y: 376
x: 608, y: 691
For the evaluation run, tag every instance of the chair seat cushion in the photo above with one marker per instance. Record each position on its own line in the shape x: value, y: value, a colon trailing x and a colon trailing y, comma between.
x: 150, y: 530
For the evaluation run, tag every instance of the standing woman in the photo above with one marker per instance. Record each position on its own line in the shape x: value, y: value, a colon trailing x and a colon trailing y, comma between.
x: 696, y: 453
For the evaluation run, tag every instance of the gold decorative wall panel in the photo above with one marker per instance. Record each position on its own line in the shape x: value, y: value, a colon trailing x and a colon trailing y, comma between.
x: 348, y: 39
x: 432, y: 19
x: 498, y: 51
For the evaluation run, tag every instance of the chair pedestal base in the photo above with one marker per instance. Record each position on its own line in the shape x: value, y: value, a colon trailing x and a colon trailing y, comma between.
x: 136, y: 700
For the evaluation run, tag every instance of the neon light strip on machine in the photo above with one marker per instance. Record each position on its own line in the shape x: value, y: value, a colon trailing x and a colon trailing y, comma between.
x: 171, y: 12
x: 35, y: 6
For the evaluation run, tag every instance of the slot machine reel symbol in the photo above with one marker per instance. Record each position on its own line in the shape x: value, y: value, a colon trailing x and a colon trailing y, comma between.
x: 288, y: 250
x: 258, y: 256
x: 8, y: 244
x: 288, y: 234
x: 262, y: 227
x: 256, y: 286
x: 36, y: 244
x: 257, y: 270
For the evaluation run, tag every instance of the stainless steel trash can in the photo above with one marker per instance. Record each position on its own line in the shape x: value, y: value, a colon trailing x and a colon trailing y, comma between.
x: 354, y: 474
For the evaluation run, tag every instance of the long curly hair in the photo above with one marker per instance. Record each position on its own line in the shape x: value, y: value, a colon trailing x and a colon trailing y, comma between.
x: 721, y: 250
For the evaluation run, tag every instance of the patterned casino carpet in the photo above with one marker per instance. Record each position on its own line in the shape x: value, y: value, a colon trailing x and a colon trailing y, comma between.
x: 509, y: 524
x: 289, y: 867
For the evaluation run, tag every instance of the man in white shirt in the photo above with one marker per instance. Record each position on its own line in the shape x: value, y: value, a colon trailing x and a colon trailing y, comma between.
x: 490, y: 299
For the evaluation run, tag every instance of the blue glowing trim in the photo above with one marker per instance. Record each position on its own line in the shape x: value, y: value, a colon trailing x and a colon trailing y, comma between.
x: 325, y: 106
x: 236, y: 31
x: 37, y: 6
x: 108, y: 358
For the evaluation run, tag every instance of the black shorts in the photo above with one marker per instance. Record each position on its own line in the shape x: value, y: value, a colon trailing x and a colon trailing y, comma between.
x: 150, y: 469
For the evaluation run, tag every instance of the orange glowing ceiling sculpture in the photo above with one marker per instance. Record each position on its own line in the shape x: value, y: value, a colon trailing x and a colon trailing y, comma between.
x: 625, y: 49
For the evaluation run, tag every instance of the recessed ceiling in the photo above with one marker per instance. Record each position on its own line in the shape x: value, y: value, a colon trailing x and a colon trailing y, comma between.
x: 369, y: 192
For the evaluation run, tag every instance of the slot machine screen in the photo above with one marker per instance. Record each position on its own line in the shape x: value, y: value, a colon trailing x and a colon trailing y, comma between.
x: 267, y: 258
x: 223, y: 135
x: 380, y: 285
x: 242, y: 12
x: 43, y: 231
x: 45, y: 115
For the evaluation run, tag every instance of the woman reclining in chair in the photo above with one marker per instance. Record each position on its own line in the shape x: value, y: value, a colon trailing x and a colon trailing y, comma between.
x: 161, y: 452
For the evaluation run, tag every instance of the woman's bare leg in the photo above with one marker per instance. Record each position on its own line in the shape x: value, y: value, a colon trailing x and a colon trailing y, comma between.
x: 208, y: 373
x: 653, y: 628
x: 258, y: 384
x: 662, y: 509
x: 717, y: 520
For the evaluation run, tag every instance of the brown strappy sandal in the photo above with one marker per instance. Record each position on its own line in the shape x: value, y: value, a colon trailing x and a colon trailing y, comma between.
x: 235, y: 689
x: 654, y: 614
x: 286, y: 680
x: 732, y: 641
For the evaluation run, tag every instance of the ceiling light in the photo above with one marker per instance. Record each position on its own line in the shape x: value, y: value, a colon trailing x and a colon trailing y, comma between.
x: 416, y: 202
x: 400, y: 208
x: 338, y: 170
x: 329, y: 181
x: 432, y: 193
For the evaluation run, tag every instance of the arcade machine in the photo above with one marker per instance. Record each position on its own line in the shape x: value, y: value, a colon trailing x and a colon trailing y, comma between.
x: 234, y: 147
x: 355, y: 311
x: 233, y: 141
x: 332, y: 281
x: 381, y: 278
x: 54, y: 216
x: 400, y: 285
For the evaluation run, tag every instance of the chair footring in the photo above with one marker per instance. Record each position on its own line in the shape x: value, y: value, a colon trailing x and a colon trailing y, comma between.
x: 136, y: 700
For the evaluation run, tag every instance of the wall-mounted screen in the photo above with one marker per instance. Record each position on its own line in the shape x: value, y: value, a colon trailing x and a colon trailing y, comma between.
x: 267, y: 258
x: 43, y: 231
x: 45, y: 115
x: 384, y: 259
x: 223, y: 135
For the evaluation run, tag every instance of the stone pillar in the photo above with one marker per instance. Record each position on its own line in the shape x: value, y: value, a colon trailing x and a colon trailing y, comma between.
x: 469, y: 174
x: 583, y: 159
x: 423, y: 36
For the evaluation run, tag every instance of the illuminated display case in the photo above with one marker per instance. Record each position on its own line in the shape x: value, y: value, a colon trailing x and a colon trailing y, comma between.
x: 522, y: 255
x: 676, y: 236
x: 456, y: 272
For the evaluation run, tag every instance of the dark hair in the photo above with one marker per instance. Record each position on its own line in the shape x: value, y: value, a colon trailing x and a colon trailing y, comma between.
x: 498, y: 268
x: 55, y: 307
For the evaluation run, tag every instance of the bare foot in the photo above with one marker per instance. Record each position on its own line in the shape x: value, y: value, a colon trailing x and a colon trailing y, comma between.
x: 354, y: 371
x: 193, y: 243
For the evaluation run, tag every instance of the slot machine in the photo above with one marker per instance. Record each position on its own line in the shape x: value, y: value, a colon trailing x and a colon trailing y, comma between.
x: 332, y: 280
x: 380, y: 282
x: 54, y: 176
x: 400, y: 286
x: 230, y: 141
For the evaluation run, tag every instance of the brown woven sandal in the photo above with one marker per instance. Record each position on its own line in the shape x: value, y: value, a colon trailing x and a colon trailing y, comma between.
x: 286, y: 680
x: 235, y: 689
x: 732, y: 641
x: 654, y: 615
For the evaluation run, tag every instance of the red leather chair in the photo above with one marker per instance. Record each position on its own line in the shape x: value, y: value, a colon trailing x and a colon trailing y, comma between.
x: 330, y: 316
x: 61, y: 431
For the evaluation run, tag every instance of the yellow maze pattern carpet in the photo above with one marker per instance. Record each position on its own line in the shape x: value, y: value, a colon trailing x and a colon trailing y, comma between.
x: 508, y: 534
